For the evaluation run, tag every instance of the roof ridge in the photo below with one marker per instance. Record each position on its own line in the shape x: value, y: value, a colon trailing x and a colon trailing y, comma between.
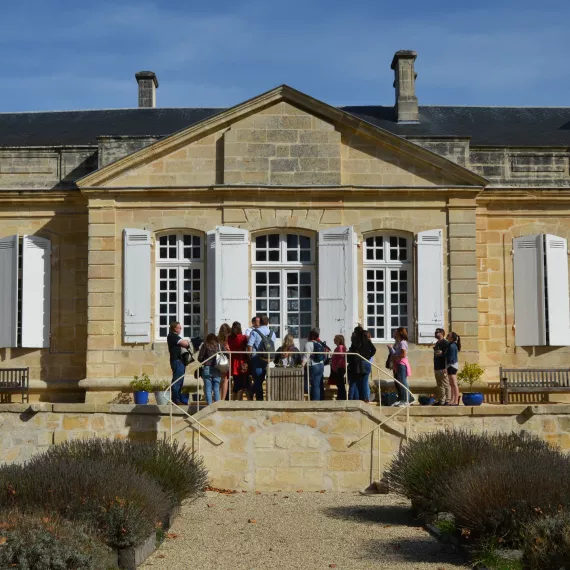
x: 100, y: 110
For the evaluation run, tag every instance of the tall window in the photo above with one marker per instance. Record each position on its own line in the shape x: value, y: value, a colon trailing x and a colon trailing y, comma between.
x: 284, y: 282
x: 179, y: 283
x: 387, y: 284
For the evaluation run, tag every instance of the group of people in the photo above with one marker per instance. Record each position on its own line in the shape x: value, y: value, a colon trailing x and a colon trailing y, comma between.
x: 254, y: 350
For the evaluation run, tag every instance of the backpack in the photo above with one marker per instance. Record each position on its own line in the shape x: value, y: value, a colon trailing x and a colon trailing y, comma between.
x: 318, y: 347
x: 266, y: 345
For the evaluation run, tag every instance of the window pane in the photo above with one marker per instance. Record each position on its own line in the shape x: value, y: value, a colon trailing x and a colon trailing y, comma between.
x: 274, y: 277
x: 304, y: 242
x: 305, y: 255
x: 273, y: 240
x: 305, y: 278
x: 261, y: 242
x: 261, y: 277
x: 273, y: 255
x: 292, y: 241
x: 293, y: 305
x: 292, y: 278
x: 292, y: 256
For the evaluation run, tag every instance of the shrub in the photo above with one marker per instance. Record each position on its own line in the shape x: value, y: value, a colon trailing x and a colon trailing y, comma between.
x: 426, y: 463
x: 504, y: 493
x: 171, y: 465
x: 547, y: 543
x: 40, y: 542
x: 122, y: 504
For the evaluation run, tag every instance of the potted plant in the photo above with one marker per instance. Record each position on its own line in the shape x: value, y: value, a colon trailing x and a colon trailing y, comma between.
x: 141, y: 386
x: 470, y: 374
x: 426, y: 399
x: 158, y: 389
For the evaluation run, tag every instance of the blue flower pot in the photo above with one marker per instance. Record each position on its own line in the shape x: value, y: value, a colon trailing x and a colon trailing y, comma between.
x: 426, y: 400
x: 388, y: 398
x: 472, y: 398
x: 141, y: 398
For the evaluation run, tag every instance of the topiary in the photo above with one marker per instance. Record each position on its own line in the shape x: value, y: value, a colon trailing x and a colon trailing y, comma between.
x: 122, y: 504
x: 173, y: 466
x: 44, y: 542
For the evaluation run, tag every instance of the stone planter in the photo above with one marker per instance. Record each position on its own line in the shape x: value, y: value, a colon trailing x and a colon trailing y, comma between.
x: 131, y: 558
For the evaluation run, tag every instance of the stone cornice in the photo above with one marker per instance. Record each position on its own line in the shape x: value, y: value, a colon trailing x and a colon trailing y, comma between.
x: 337, y: 116
x: 19, y: 197
x: 518, y: 196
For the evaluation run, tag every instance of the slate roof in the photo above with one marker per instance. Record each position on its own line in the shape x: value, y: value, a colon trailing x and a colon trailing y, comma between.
x: 487, y: 126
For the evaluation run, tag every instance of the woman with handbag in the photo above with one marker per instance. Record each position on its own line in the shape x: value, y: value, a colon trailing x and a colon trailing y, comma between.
x: 237, y: 343
x: 402, y: 368
x: 358, y: 366
x: 211, y: 373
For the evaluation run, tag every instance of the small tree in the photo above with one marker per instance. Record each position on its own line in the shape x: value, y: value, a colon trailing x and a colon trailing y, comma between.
x: 470, y: 374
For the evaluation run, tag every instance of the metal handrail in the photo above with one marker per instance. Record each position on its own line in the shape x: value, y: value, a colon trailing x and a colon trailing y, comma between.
x: 168, y: 393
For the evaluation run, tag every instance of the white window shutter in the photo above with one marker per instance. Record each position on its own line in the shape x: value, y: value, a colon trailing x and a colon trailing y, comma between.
x: 36, y: 279
x: 430, y: 284
x: 528, y: 268
x: 136, y: 286
x: 558, y: 301
x: 338, y: 299
x: 8, y: 291
x: 228, y: 276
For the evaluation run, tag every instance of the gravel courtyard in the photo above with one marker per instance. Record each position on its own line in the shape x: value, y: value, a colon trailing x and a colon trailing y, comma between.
x: 300, y: 530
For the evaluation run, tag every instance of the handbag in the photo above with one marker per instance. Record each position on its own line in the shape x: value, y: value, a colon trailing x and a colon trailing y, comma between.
x: 222, y: 361
x: 362, y: 368
x: 186, y: 356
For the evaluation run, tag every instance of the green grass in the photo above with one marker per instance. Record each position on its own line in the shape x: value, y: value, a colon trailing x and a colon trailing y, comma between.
x: 446, y: 526
x: 490, y: 556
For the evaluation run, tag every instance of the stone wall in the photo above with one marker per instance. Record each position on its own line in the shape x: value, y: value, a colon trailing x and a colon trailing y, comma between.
x: 61, y: 218
x: 45, y: 167
x: 269, y: 446
x: 501, y: 217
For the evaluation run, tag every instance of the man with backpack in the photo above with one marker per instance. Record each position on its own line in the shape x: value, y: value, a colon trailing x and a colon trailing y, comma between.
x: 262, y: 340
x: 316, y: 364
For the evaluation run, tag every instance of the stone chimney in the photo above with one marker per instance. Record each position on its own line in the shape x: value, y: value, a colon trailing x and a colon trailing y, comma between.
x: 405, y: 83
x: 148, y: 84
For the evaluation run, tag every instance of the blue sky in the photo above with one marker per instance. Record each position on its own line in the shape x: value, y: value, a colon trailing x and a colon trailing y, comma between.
x: 82, y: 55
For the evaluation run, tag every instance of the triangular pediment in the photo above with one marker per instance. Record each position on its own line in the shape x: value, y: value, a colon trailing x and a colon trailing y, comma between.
x: 282, y: 137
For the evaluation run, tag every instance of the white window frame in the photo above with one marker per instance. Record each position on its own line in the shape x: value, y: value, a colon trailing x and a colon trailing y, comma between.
x: 284, y: 267
x: 386, y: 265
x: 179, y: 263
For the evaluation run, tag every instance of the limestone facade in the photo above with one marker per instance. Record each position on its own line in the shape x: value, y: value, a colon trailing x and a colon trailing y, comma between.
x: 281, y: 162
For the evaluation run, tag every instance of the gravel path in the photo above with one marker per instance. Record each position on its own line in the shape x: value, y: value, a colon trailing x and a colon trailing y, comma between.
x: 300, y: 530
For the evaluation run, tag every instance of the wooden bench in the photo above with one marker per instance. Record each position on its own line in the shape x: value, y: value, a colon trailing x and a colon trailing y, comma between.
x: 14, y: 381
x: 527, y: 380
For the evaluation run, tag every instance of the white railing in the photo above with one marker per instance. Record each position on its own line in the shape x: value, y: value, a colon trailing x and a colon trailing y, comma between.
x: 306, y: 381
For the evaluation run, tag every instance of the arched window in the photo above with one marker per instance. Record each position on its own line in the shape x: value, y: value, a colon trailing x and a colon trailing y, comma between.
x: 284, y: 282
x: 387, y: 284
x: 179, y: 283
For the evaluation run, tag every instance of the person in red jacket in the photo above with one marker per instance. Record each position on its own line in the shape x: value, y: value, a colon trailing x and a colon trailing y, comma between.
x: 237, y: 343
